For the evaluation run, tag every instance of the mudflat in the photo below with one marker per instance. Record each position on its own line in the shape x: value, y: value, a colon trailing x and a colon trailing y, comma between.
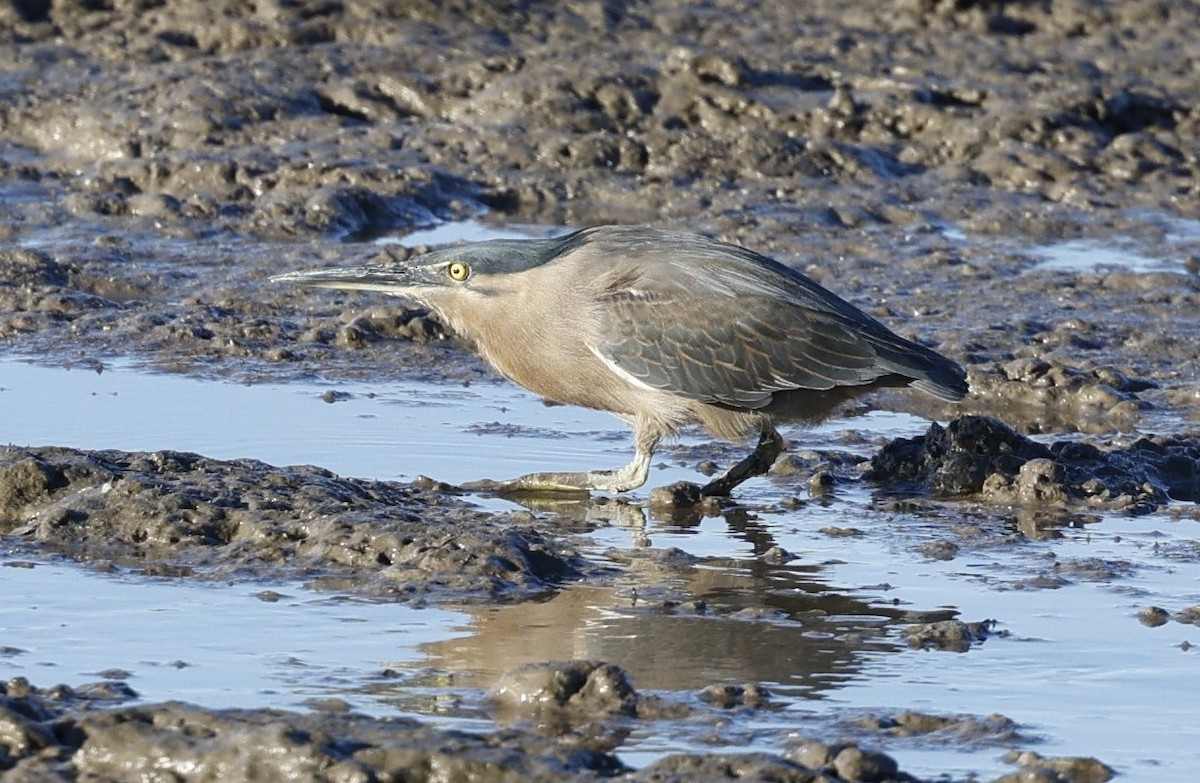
x: 1016, y: 185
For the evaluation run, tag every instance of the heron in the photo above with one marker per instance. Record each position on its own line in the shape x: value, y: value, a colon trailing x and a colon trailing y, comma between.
x: 662, y: 328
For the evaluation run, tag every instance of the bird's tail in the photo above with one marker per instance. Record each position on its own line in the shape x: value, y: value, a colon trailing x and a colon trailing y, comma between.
x: 930, y: 372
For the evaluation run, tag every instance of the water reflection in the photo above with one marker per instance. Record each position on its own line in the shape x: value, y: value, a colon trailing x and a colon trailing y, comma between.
x: 582, y: 514
x: 743, y: 621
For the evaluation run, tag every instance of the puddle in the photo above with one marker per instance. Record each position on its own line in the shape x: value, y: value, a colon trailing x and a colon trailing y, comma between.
x: 470, y: 231
x: 393, y: 430
x: 1084, y: 255
x: 1075, y: 669
x: 1180, y: 231
x: 1168, y: 244
x: 245, y: 645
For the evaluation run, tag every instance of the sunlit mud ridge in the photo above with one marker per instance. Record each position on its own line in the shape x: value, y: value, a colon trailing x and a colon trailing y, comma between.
x: 180, y: 513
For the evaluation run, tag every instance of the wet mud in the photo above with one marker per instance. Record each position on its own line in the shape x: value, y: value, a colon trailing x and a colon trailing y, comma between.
x: 92, y: 732
x: 160, y: 161
x: 178, y: 513
x: 984, y: 458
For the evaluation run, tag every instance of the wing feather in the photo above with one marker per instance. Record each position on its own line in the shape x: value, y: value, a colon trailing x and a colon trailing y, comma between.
x: 737, y: 351
x: 724, y: 325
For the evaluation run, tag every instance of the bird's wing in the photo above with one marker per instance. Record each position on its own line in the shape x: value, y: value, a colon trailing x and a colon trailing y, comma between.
x: 712, y: 338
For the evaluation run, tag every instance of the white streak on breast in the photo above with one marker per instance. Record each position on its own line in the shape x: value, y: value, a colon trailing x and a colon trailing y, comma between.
x: 621, y: 373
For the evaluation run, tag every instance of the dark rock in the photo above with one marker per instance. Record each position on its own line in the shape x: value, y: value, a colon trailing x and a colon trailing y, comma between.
x: 977, y: 455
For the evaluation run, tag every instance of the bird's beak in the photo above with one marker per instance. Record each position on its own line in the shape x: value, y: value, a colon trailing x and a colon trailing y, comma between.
x: 392, y: 278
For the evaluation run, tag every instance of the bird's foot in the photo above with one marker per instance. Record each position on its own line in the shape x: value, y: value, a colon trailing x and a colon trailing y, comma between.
x: 770, y: 445
x: 534, y: 483
x: 623, y: 479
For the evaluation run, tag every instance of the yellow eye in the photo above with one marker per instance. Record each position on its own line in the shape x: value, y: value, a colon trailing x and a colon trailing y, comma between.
x: 458, y: 271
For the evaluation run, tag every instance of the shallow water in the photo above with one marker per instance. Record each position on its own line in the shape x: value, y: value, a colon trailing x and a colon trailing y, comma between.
x: 469, y: 231
x: 243, y: 645
x: 1075, y: 667
x: 1082, y: 255
x: 1163, y: 244
x: 393, y: 430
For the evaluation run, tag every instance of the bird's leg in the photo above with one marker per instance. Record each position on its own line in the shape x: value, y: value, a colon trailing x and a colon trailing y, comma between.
x: 770, y: 445
x: 623, y: 479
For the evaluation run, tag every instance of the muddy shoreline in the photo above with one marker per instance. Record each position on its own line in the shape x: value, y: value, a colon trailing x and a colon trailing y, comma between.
x: 932, y: 162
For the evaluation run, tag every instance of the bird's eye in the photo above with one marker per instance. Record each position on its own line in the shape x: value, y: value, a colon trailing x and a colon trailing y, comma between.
x: 458, y: 271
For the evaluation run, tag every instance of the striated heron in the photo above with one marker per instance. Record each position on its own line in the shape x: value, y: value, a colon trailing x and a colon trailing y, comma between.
x: 662, y: 329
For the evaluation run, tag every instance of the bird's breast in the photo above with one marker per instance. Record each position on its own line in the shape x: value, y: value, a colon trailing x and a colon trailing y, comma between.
x: 559, y: 366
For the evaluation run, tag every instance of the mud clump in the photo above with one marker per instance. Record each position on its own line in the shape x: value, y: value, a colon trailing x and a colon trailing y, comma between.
x: 990, y: 730
x: 983, y: 457
x: 948, y: 635
x: 579, y: 689
x: 1189, y: 616
x: 685, y: 768
x: 1153, y: 616
x: 23, y: 482
x: 727, y: 696
x: 1064, y: 769
x: 847, y: 761
x: 1049, y: 394
x: 191, y: 514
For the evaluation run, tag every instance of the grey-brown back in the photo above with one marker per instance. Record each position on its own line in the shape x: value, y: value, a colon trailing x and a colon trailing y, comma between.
x: 721, y: 324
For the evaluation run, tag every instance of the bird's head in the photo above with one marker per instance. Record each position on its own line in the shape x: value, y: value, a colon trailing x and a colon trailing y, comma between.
x: 450, y: 280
